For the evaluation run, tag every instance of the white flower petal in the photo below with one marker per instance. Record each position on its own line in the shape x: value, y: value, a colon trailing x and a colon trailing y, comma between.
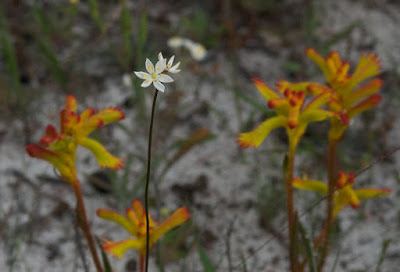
x: 189, y: 44
x: 146, y: 83
x: 175, y: 42
x: 175, y: 69
x: 171, y: 60
x: 158, y: 85
x: 160, y: 56
x: 160, y: 66
x: 149, y: 66
x: 142, y: 75
x: 127, y: 80
x: 164, y: 78
x: 198, y: 52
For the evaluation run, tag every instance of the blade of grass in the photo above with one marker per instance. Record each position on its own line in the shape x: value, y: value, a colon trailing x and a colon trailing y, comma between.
x: 95, y: 14
x: 306, y: 242
x: 385, y: 245
x: 106, y: 262
x: 126, y: 27
x: 11, y: 60
x: 336, y: 261
x: 55, y: 66
x: 205, y: 260
x: 40, y: 18
x: 342, y: 34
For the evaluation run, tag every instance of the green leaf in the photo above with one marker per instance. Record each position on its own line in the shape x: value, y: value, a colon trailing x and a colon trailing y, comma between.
x: 205, y: 261
x: 106, y: 262
x: 11, y: 60
x: 40, y: 18
x: 94, y: 13
x: 126, y: 27
x: 55, y: 66
x: 306, y: 242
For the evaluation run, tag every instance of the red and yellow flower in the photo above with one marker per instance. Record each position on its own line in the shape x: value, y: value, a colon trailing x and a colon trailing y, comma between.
x: 292, y: 113
x: 347, y: 100
x: 344, y: 194
x: 135, y: 224
x: 59, y: 149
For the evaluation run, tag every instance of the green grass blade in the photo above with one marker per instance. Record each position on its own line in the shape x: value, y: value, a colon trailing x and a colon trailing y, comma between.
x: 205, y: 261
x: 40, y: 18
x: 106, y: 262
x: 11, y: 60
x: 126, y: 27
x: 143, y: 29
x: 307, y: 244
x: 55, y: 66
x: 385, y: 245
x: 336, y: 261
x: 95, y: 14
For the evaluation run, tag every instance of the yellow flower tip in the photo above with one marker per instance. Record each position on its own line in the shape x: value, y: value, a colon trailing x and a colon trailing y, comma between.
x: 119, y: 114
x: 258, y: 82
x: 245, y: 140
x: 112, y: 248
x: 311, y: 53
x: 70, y: 103
x: 114, y: 163
x: 355, y: 204
x: 364, y: 105
x: 184, y: 213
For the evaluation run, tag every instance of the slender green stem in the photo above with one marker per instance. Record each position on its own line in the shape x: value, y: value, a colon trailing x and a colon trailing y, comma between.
x: 290, y: 208
x: 84, y: 224
x: 146, y: 192
x: 330, y: 201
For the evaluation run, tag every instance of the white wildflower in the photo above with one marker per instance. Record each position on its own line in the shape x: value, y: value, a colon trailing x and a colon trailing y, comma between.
x: 155, y: 75
x: 169, y: 68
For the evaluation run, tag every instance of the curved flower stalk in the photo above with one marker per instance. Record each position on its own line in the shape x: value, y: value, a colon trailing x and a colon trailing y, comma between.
x: 135, y: 224
x: 59, y: 149
x: 347, y: 99
x: 345, y: 194
x: 294, y: 116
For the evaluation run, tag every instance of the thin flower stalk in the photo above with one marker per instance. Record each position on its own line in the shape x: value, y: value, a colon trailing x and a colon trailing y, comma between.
x: 157, y: 76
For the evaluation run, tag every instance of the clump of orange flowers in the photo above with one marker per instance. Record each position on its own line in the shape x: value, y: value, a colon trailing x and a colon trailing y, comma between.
x: 339, y: 101
x: 135, y: 224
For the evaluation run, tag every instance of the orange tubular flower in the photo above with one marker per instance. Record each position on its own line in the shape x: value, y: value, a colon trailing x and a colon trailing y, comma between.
x: 59, y: 149
x: 135, y: 224
x: 344, y: 195
x: 292, y: 114
x: 345, y: 98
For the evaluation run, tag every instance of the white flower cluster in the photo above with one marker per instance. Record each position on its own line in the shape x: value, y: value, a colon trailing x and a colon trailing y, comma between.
x: 197, y: 50
x: 156, y: 74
